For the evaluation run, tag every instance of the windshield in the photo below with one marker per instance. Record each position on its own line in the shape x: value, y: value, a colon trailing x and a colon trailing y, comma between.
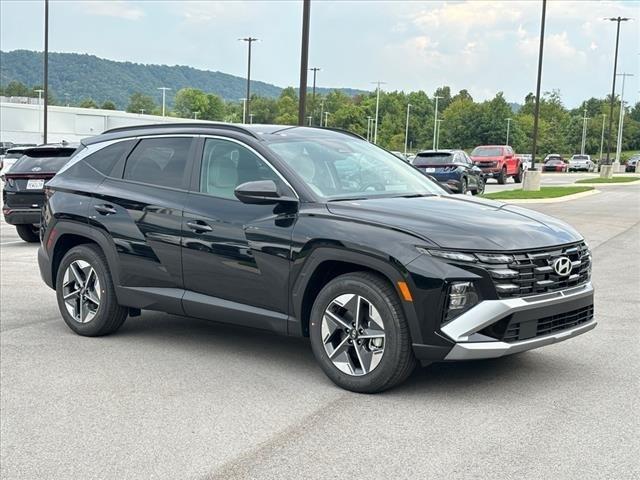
x: 45, y: 161
x: 348, y: 168
x: 440, y: 158
x: 487, y: 152
x: 580, y: 157
x: 554, y: 161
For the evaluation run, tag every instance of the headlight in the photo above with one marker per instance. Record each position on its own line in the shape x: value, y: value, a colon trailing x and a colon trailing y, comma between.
x: 458, y: 256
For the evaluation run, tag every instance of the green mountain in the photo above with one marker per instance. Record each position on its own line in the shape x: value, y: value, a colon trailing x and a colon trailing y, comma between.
x: 79, y: 76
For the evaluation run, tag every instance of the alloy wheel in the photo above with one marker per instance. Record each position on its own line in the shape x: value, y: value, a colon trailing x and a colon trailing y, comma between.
x: 81, y: 291
x: 353, y: 334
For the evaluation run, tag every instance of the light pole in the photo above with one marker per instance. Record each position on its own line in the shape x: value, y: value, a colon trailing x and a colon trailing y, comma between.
x: 164, y: 92
x: 321, y: 110
x: 584, y: 131
x: 249, y: 41
x: 406, y: 131
x: 375, y: 127
x: 195, y: 115
x: 142, y: 111
x: 40, y: 92
x: 604, y: 116
x: 45, y: 107
x: 326, y: 118
x: 244, y: 110
x: 304, y: 61
x: 313, y: 95
x: 251, y: 118
x: 508, y: 124
x: 535, y: 185
x: 66, y: 96
x: 435, y: 122
x: 369, y: 128
x: 438, y: 122
x: 621, y: 120
x: 309, y: 118
x: 608, y: 172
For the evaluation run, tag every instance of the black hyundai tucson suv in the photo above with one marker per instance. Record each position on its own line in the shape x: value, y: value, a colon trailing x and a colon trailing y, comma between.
x: 291, y: 230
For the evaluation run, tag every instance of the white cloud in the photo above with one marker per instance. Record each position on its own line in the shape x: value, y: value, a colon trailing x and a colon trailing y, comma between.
x: 114, y: 8
x: 199, y: 12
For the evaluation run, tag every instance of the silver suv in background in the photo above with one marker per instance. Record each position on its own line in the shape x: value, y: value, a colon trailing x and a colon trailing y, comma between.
x: 581, y: 163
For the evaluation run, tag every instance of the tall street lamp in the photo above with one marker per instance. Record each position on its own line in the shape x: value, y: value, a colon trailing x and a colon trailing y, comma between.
x: 164, y: 93
x: 249, y: 41
x: 375, y: 126
x: 195, y: 115
x: 438, y: 122
x: 435, y: 122
x: 369, y: 128
x: 584, y: 131
x: 304, y: 61
x: 621, y: 120
x: 604, y: 116
x: 326, y: 118
x: 315, y: 70
x: 244, y: 110
x: 40, y: 92
x: 536, y: 114
x: 508, y: 124
x: 618, y: 20
x: 46, y: 70
x: 406, y: 130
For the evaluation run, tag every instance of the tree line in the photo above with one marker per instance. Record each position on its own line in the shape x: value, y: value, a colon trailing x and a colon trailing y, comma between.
x: 465, y: 123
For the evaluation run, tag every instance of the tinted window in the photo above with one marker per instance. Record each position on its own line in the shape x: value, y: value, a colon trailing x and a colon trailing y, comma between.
x: 432, y: 158
x: 105, y: 159
x: 159, y: 161
x: 44, y: 160
x: 487, y: 152
x: 225, y: 165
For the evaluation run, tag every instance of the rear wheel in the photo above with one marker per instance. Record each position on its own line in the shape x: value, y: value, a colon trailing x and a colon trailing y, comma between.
x: 464, y: 186
x: 359, y: 334
x: 85, y: 293
x: 502, y: 178
x: 518, y: 176
x: 28, y: 232
x: 480, y: 188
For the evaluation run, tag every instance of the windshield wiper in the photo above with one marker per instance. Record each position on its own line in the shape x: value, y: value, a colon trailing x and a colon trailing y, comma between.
x: 347, y: 199
x: 415, y: 195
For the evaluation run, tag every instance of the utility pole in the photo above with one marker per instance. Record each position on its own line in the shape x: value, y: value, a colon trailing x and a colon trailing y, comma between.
x: 313, y: 95
x: 304, y: 61
x: 613, y: 87
x: 321, y: 110
x: 536, y: 114
x: 244, y: 110
x: 604, y: 116
x: 249, y: 41
x: 164, y: 92
x: 40, y: 133
x: 435, y: 122
x: 46, y: 71
x: 621, y: 120
x: 375, y: 127
x: 508, y: 124
x: 406, y: 131
x: 584, y: 131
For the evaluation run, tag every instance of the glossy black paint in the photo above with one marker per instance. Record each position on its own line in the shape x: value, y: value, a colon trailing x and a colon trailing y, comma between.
x: 190, y: 253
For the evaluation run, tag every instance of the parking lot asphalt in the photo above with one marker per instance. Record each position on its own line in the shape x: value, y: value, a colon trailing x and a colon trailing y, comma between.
x: 169, y: 397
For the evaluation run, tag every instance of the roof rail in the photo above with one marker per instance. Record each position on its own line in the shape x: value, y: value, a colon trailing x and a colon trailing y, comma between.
x: 220, y: 126
x: 342, y: 130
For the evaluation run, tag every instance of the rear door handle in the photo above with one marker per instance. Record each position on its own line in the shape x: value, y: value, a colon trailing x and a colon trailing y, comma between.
x: 105, y: 209
x: 199, y: 226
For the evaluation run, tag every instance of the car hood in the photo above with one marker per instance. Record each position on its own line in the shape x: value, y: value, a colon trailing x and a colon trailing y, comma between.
x: 461, y: 222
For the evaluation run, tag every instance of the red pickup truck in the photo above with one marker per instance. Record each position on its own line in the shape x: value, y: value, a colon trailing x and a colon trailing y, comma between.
x: 498, y: 161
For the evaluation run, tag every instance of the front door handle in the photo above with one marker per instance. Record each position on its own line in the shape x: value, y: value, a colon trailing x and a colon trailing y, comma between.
x: 199, y: 226
x: 105, y: 209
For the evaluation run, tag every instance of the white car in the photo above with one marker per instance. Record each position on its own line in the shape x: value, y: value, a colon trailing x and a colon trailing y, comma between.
x: 525, y: 160
x: 581, y: 163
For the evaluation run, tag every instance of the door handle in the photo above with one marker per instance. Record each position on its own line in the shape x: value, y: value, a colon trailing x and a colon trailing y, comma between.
x: 105, y: 209
x: 199, y: 226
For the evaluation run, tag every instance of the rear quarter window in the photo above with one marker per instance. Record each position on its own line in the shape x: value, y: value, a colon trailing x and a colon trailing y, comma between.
x: 108, y: 158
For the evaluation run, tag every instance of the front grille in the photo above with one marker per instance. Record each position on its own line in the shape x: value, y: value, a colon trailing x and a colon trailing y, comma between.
x: 532, y: 273
x: 508, y: 330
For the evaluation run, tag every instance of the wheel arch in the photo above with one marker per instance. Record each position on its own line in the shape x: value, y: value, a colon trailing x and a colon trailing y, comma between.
x: 326, y: 263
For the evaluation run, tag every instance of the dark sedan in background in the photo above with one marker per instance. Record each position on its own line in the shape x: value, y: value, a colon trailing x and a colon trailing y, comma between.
x: 452, y: 168
x: 23, y: 191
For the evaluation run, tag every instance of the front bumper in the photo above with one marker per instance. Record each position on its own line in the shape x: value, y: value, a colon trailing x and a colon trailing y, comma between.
x: 470, y: 344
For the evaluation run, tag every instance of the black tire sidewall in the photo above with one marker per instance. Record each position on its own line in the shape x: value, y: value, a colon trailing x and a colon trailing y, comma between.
x: 107, y: 296
x: 28, y: 233
x: 377, y: 379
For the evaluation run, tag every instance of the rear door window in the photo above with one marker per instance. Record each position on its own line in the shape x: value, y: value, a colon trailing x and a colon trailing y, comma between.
x: 105, y: 159
x: 160, y: 161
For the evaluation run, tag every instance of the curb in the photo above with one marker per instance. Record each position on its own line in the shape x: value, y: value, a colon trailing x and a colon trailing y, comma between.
x: 635, y: 182
x: 565, y: 198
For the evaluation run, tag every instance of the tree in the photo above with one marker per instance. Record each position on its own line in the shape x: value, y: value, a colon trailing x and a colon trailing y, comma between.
x: 139, y: 102
x: 17, y: 89
x: 88, y: 103
x: 108, y: 105
x: 190, y: 100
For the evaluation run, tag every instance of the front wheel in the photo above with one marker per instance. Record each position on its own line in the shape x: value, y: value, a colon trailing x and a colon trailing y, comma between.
x: 480, y: 188
x: 502, y: 178
x: 464, y: 186
x: 29, y: 233
x: 85, y: 293
x: 359, y: 334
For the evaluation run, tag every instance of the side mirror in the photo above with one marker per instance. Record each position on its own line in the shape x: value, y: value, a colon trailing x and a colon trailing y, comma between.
x: 261, y: 192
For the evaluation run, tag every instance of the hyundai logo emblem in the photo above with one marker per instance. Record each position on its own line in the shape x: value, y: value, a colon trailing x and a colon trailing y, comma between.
x: 562, y: 266
x: 36, y: 169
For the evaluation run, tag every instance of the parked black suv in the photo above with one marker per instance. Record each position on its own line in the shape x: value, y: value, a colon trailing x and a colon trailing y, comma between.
x: 23, y: 189
x: 283, y: 229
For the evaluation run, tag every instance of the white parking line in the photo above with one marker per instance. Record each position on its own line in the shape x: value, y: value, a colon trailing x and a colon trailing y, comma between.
x: 9, y: 243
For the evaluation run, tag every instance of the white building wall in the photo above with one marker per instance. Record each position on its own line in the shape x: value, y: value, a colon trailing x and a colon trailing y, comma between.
x: 23, y: 123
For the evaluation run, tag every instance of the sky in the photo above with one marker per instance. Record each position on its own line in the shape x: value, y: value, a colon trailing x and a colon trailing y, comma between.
x: 482, y: 46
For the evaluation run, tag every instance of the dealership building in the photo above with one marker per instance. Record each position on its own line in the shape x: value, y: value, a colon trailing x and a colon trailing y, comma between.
x: 23, y: 122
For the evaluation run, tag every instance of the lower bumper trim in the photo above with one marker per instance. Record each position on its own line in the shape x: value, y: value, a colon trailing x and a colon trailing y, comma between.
x: 480, y: 350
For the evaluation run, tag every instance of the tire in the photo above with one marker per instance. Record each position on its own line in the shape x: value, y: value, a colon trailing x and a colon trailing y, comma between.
x: 480, y: 188
x: 396, y: 360
x: 464, y: 186
x: 502, y: 178
x: 94, y: 318
x: 28, y: 232
x: 518, y: 176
